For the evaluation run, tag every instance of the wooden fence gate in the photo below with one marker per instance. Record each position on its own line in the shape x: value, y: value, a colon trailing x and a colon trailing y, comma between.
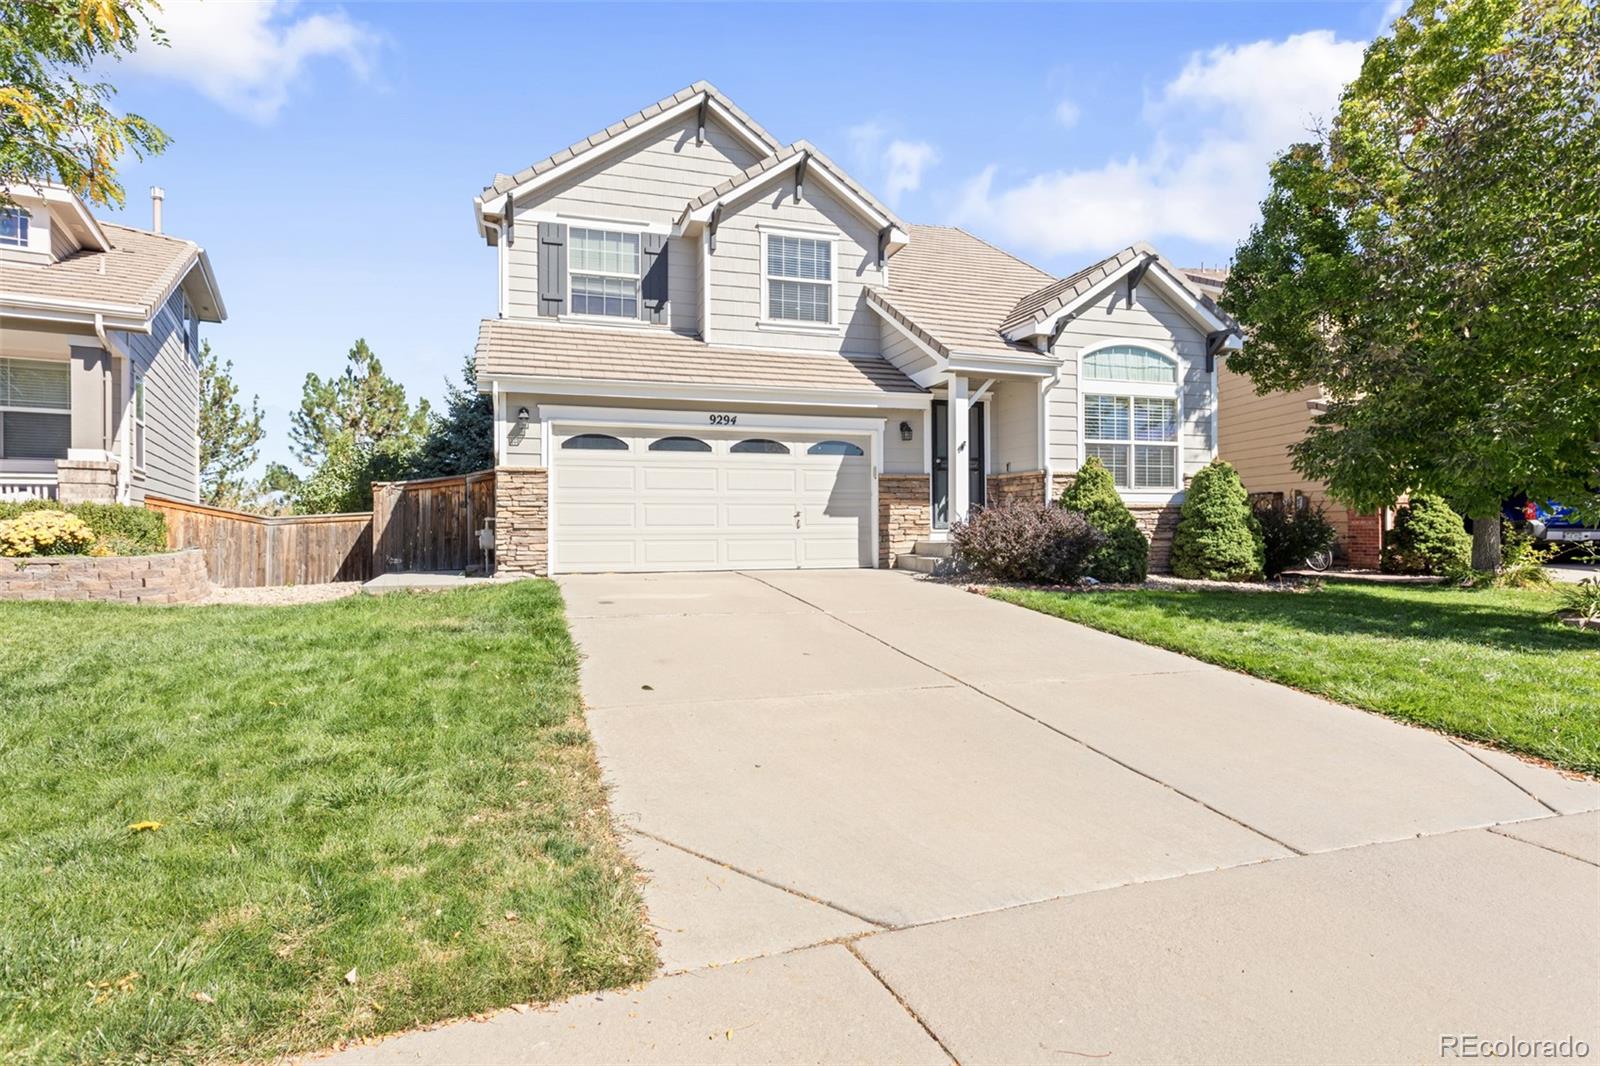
x: 430, y: 524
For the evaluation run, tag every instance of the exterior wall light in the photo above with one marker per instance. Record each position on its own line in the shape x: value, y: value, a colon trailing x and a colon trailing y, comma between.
x: 523, y: 415
x: 905, y: 431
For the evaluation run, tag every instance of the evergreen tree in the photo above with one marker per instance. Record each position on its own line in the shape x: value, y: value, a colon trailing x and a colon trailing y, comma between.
x: 1217, y: 536
x: 229, y: 437
x: 362, y: 404
x: 1125, y: 555
x: 461, y: 441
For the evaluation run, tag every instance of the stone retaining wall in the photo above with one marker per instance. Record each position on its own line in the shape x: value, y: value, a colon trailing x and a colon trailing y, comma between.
x: 905, y: 515
x: 172, y: 577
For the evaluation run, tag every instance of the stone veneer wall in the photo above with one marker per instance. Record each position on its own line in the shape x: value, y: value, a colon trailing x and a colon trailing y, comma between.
x: 905, y: 514
x: 522, y: 521
x: 1026, y: 486
x: 85, y: 481
x: 1157, y: 521
x: 171, y: 577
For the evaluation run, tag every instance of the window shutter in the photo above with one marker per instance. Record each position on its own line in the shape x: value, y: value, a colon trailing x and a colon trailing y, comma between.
x: 653, y: 286
x: 552, y: 269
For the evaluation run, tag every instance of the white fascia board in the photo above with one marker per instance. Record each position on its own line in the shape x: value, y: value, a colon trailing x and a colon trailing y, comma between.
x: 207, y: 275
x: 632, y: 416
x: 1186, y: 300
x: 1190, y: 303
x: 691, y: 221
x: 651, y: 390
x: 986, y: 363
x: 85, y: 221
x: 42, y: 309
x: 1042, y: 327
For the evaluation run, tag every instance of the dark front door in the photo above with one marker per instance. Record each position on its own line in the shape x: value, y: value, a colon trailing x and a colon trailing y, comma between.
x: 941, y: 461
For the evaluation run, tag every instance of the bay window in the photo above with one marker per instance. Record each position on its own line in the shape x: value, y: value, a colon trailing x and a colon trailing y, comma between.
x: 1130, y: 416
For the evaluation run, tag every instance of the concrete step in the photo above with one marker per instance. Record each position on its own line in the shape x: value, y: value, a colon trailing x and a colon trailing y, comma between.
x: 922, y: 564
x: 937, y: 549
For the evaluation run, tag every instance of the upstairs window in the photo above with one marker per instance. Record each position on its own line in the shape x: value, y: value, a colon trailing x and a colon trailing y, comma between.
x: 799, y: 279
x: 13, y: 227
x: 604, y: 265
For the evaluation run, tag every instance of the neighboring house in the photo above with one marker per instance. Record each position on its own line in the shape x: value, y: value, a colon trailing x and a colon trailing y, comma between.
x: 1256, y: 436
x: 99, y: 353
x: 718, y: 351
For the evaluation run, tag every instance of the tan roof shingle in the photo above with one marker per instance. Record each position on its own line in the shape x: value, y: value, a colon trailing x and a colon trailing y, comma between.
x: 138, y: 271
x: 521, y: 348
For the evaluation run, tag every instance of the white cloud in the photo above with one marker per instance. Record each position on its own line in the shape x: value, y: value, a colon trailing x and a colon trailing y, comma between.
x: 904, y: 162
x: 1213, y: 130
x: 1068, y: 113
x: 248, y: 57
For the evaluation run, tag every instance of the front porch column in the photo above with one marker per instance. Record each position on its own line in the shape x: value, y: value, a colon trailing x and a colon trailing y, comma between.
x: 959, y: 478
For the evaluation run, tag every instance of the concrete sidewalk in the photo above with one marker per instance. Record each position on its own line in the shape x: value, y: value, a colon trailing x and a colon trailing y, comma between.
x: 886, y: 820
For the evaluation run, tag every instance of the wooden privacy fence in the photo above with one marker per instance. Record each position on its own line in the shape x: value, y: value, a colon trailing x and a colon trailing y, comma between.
x: 252, y: 550
x: 430, y: 524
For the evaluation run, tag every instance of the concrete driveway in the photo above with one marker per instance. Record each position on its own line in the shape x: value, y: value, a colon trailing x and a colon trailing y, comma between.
x: 887, y: 820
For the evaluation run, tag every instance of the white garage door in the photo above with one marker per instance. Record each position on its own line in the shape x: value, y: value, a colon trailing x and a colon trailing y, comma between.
x: 679, y: 499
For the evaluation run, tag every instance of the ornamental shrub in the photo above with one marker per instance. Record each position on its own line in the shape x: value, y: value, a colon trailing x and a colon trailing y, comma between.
x: 1030, y: 542
x: 119, y: 528
x: 1428, y: 538
x: 1217, y: 537
x: 45, y: 533
x: 1125, y: 555
x: 1290, y: 535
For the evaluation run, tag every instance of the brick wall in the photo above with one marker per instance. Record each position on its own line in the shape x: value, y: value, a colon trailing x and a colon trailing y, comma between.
x: 1363, y: 540
x: 522, y: 521
x: 905, y: 514
x: 172, y: 577
x: 1027, y: 485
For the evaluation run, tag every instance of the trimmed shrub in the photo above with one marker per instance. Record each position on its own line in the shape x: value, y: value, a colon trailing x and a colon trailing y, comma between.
x: 1217, y: 537
x: 1125, y: 555
x: 42, y: 532
x: 1030, y: 542
x: 118, y: 528
x: 1428, y: 538
x: 1291, y: 535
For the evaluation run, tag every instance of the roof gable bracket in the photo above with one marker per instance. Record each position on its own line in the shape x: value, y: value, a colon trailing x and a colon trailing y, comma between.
x: 1215, y: 341
x: 1137, y: 275
x: 711, y: 228
x: 800, y: 177
x: 883, y: 245
x: 508, y: 220
x: 700, y: 124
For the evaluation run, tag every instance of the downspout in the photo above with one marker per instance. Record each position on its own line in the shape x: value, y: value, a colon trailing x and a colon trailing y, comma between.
x: 105, y: 406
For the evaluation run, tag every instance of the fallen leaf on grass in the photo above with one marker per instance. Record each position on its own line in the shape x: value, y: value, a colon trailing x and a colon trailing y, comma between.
x: 511, y: 916
x: 144, y: 827
x: 201, y: 997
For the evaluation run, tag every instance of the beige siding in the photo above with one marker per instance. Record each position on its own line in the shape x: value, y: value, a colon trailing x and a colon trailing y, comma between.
x: 1014, y: 427
x: 1150, y: 319
x: 1256, y: 434
x: 899, y: 457
x: 171, y: 391
x: 737, y: 289
x: 901, y: 351
x: 650, y: 181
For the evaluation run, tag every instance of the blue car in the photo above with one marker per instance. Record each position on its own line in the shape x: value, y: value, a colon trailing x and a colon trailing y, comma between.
x: 1550, y: 522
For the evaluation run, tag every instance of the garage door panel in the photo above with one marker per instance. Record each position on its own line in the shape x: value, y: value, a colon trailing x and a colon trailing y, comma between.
x: 675, y: 515
x: 672, y: 553
x: 758, y: 479
x: 777, y: 516
x: 678, y: 478
x: 594, y: 553
x: 599, y: 516
x: 614, y: 476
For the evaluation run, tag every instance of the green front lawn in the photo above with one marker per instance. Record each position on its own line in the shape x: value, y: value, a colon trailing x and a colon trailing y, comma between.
x: 401, y: 787
x: 1491, y: 665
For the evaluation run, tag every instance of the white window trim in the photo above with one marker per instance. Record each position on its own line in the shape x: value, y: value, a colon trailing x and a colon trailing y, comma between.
x: 138, y: 427
x: 26, y: 243
x: 1129, y: 390
x: 638, y: 279
x: 764, y: 320
x: 554, y: 421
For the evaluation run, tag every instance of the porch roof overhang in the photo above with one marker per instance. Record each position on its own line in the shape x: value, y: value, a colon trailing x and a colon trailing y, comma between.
x: 948, y: 360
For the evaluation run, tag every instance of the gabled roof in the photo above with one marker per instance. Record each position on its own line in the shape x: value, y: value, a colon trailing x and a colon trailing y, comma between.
x: 772, y: 167
x: 534, y: 349
x: 700, y: 90
x: 129, y: 281
x: 952, y: 290
x: 1037, y: 306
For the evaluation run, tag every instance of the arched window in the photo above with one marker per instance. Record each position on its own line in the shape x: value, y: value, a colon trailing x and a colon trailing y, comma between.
x: 834, y: 447
x: 595, y: 442
x: 679, y: 444
x: 760, y: 445
x: 1130, y: 416
x: 1129, y: 362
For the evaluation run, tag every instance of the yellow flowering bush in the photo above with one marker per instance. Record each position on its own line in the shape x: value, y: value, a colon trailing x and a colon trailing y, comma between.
x: 45, y: 533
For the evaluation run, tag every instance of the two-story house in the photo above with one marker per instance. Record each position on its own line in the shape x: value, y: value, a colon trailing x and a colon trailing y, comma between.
x: 715, y: 350
x: 99, y: 352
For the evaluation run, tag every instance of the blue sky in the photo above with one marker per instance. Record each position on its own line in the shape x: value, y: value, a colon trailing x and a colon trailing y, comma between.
x: 326, y: 156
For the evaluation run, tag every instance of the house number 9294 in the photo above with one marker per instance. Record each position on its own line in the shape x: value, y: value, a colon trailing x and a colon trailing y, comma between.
x: 724, y: 420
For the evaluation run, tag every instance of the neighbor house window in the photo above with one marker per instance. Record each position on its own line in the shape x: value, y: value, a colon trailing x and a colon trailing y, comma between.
x: 35, y: 409
x: 799, y: 279
x: 1132, y: 430
x: 13, y: 227
x: 604, y: 265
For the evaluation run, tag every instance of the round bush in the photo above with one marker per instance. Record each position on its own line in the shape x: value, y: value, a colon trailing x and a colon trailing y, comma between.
x: 1125, y: 555
x: 120, y: 529
x: 1428, y: 537
x: 1029, y: 542
x: 45, y: 533
x: 1217, y: 538
x: 1291, y: 535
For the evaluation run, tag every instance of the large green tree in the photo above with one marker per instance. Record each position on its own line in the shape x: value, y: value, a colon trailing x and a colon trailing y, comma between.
x: 363, y: 404
x: 230, y: 436
x: 462, y: 439
x: 1433, y: 260
x: 56, y: 121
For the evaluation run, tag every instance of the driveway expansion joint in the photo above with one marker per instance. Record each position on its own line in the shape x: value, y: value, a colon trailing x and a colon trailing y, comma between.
x: 1502, y: 774
x: 904, y: 1005
x: 1501, y: 832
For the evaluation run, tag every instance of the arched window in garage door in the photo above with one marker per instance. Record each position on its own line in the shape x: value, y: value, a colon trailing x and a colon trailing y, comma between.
x: 679, y: 444
x: 834, y: 447
x: 595, y: 442
x: 761, y: 446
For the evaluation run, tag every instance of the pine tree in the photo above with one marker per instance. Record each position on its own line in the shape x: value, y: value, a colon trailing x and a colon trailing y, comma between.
x: 1125, y: 555
x: 362, y: 404
x: 1217, y: 536
x: 461, y: 441
x: 229, y: 437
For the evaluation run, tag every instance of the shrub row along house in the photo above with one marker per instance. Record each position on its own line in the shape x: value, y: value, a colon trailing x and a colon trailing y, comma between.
x: 715, y: 350
x: 99, y: 353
